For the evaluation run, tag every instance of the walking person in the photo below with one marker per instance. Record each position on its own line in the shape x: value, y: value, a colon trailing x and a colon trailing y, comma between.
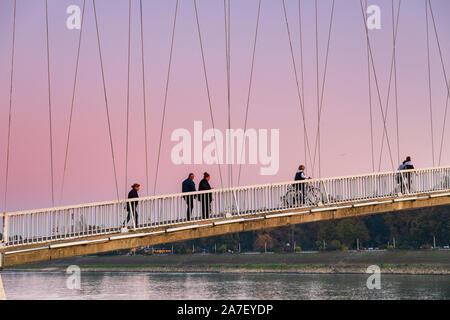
x: 407, y: 165
x: 132, y: 205
x: 188, y: 185
x: 405, y: 178
x: 205, y: 198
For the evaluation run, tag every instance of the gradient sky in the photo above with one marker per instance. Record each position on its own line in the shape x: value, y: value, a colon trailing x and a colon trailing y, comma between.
x: 345, y: 123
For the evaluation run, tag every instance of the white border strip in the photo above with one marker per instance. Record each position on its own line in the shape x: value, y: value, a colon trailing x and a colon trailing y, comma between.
x: 279, y: 215
x: 357, y: 205
x: 440, y: 195
x: 253, y: 219
x: 325, y: 209
x: 77, y: 243
x: 406, y: 199
x: 205, y: 225
x: 227, y: 222
x: 25, y: 250
x: 385, y: 201
x: 345, y: 207
x: 195, y: 226
x: 135, y: 235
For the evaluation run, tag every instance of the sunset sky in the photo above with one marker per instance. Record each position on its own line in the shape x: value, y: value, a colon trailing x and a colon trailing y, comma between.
x: 345, y: 121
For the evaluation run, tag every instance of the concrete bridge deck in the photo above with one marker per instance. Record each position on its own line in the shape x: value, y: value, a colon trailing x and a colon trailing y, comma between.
x: 65, y: 248
x: 61, y: 232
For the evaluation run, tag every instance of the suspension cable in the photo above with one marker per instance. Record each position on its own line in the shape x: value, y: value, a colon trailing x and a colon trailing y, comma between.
x: 376, y: 81
x: 128, y: 97
x: 390, y: 83
x: 106, y: 98
x: 299, y: 94
x: 229, y: 83
x: 370, y: 103
x: 207, y: 88
x: 317, y: 81
x: 66, y: 153
x: 13, y: 46
x: 429, y: 81
x: 227, y: 14
x: 317, y: 142
x: 49, y: 103
x: 302, y: 71
x: 144, y: 97
x: 445, y: 75
x: 250, y: 87
x: 443, y: 126
x: 165, y: 96
x: 394, y: 45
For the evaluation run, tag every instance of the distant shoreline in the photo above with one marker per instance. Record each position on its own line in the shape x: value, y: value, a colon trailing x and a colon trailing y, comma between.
x: 411, y: 262
x: 317, y: 269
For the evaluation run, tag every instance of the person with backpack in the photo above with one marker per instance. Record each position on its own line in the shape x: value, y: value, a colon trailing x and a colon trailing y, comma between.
x: 405, y: 178
x: 407, y: 164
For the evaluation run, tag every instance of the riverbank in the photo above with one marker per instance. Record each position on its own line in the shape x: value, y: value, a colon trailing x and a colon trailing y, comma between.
x: 417, y: 262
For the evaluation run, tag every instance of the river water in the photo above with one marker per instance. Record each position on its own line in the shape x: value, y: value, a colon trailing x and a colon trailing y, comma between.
x: 144, y: 285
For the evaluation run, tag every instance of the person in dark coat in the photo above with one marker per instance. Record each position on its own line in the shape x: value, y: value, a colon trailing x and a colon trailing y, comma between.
x: 189, y: 186
x: 205, y: 198
x: 132, y: 206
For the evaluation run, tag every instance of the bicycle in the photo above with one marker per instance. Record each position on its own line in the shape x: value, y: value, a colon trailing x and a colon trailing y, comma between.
x: 294, y: 196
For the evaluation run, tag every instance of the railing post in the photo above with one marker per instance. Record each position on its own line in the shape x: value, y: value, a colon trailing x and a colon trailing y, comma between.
x: 326, y: 192
x: 5, y: 230
x: 236, y: 202
x: 132, y: 209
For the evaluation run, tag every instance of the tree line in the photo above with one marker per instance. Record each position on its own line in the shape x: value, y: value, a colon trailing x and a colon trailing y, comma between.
x: 422, y: 228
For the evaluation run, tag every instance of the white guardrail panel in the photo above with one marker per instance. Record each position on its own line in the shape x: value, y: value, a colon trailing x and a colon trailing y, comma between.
x: 79, y: 221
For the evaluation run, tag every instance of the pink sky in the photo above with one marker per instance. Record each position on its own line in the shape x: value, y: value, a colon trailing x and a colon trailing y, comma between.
x: 345, y: 134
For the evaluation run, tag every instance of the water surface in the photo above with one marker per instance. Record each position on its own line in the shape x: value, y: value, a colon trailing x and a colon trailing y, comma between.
x: 144, y: 285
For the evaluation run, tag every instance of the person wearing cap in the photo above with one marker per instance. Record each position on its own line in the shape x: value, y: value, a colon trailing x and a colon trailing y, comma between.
x: 188, y: 185
x: 132, y: 206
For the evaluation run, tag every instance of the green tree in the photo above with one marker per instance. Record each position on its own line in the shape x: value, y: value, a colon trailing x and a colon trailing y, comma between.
x: 334, y: 245
x: 327, y: 231
x: 378, y: 230
x: 263, y: 239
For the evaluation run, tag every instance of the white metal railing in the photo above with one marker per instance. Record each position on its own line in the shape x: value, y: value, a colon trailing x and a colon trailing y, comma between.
x: 72, y: 222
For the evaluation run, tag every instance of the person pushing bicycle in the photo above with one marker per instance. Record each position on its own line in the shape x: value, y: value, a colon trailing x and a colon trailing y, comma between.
x: 300, y: 188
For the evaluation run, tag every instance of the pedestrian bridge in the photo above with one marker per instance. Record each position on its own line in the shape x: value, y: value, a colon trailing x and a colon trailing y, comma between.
x: 61, y: 232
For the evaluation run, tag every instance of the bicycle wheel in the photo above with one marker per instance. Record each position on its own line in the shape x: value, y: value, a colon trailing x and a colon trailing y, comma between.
x: 315, y: 196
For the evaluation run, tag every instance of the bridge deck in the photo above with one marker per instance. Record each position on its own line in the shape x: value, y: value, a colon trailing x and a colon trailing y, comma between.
x: 55, y: 233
